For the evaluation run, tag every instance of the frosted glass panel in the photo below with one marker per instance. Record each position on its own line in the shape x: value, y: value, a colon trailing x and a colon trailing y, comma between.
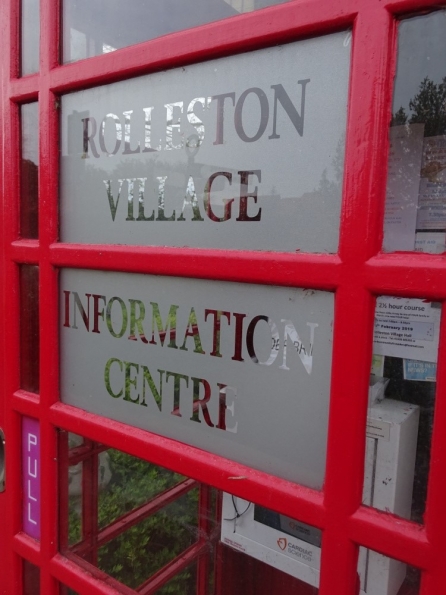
x: 245, y: 152
x: 238, y: 370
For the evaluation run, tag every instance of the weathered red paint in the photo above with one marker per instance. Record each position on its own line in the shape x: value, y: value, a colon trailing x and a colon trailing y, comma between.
x: 357, y: 274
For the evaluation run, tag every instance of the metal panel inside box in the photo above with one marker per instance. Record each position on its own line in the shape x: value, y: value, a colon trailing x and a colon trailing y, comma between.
x: 295, y: 547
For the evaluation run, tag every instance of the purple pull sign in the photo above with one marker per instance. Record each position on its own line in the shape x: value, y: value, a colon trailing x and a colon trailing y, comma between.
x: 31, y: 476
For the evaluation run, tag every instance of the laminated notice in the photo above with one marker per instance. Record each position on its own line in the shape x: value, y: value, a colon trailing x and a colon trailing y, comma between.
x: 406, y: 328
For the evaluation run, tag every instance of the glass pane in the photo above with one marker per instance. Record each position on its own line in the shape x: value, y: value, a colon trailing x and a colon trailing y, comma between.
x: 135, y: 482
x: 253, y: 576
x: 202, y: 365
x: 282, y: 542
x: 231, y: 153
x: 29, y: 171
x: 31, y: 579
x: 183, y: 583
x: 380, y: 575
x: 401, y: 405
x: 183, y: 537
x: 415, y: 217
x: 102, y: 26
x: 161, y: 537
x: 29, y: 328
x: 30, y: 36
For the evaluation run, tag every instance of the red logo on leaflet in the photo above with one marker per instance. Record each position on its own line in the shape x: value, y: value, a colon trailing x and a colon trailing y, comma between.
x: 282, y: 543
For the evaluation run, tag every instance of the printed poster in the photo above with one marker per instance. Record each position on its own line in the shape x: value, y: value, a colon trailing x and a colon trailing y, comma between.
x: 407, y: 328
x: 432, y: 197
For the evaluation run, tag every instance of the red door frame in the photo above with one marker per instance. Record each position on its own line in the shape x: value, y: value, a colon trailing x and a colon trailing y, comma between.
x: 357, y: 274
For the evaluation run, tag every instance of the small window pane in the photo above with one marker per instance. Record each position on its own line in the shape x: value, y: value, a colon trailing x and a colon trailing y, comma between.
x: 160, y: 538
x: 415, y: 216
x: 76, y: 446
x: 185, y: 582
x: 243, y: 573
x: 102, y: 26
x: 401, y: 405
x: 158, y: 532
x: 29, y: 171
x: 380, y: 575
x: 30, y: 36
x: 135, y: 482
x: 29, y: 328
x: 31, y: 579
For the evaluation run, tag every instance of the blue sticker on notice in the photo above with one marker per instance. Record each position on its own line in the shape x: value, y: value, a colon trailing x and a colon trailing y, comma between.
x: 416, y: 370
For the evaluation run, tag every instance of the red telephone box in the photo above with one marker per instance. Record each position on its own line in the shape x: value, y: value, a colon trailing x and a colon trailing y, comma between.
x: 223, y: 285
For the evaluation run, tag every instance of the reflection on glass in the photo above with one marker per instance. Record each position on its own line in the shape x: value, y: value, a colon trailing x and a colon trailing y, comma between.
x: 93, y: 28
x: 29, y: 171
x: 31, y: 579
x: 380, y: 575
x: 29, y: 328
x: 401, y: 405
x: 415, y: 216
x: 158, y: 532
x: 30, y: 35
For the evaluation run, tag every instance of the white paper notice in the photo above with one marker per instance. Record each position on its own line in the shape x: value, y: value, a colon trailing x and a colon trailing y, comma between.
x: 407, y: 328
x: 432, y: 198
x: 403, y: 180
x: 430, y: 242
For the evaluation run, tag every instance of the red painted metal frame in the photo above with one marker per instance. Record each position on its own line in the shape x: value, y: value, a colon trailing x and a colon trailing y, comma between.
x: 357, y: 274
